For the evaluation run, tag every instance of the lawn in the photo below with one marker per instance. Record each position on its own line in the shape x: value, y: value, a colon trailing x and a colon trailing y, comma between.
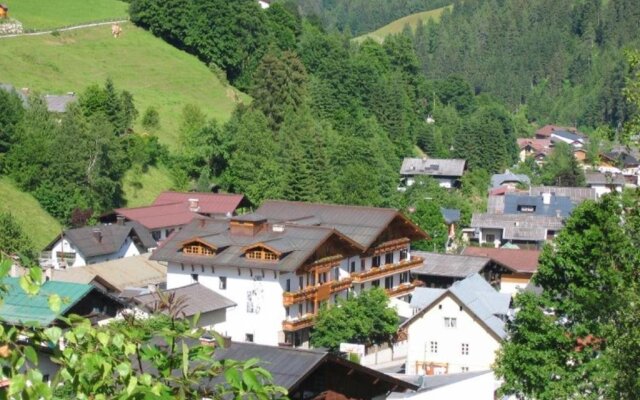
x: 43, y: 14
x: 398, y: 25
x: 36, y: 222
x: 147, y: 187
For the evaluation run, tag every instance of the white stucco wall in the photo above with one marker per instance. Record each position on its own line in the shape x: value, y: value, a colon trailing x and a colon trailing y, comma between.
x: 430, y: 327
x: 128, y: 249
x: 603, y: 189
x: 482, y: 238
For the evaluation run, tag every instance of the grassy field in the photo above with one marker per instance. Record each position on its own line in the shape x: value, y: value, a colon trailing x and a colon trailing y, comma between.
x: 149, y: 186
x: 43, y: 14
x: 36, y: 222
x: 398, y: 25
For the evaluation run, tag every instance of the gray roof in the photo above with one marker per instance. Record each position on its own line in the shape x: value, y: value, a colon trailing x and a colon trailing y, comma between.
x: 576, y: 194
x: 498, y: 180
x: 450, y: 215
x: 518, y: 226
x: 449, y: 265
x: 363, y: 225
x: 197, y: 299
x: 432, y: 167
x: 59, y: 103
x: 480, y: 298
x: 567, y: 135
x: 495, y: 204
x: 597, y: 178
x: 422, y: 297
x: 431, y: 382
x: 558, y: 205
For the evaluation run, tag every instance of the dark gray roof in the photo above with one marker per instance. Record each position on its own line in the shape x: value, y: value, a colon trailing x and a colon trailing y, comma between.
x: 567, y: 135
x: 498, y: 180
x: 112, y: 237
x: 450, y: 215
x: 59, y: 103
x: 433, y: 167
x: 576, y: 194
x: 558, y: 205
x: 518, y: 226
x: 449, y: 265
x: 495, y: 204
x: 623, y: 156
x: 197, y: 299
x: 598, y: 178
x: 431, y: 382
x: 363, y: 225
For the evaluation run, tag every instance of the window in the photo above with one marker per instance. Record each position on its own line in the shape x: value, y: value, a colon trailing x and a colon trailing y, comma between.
x: 194, y: 277
x: 362, y: 265
x: 156, y: 235
x: 404, y: 254
x: 404, y: 277
x: 450, y: 322
x: 362, y: 287
x: 223, y: 283
x: 465, y: 349
x: 434, y: 347
x: 491, y: 238
x: 388, y: 282
x: 464, y: 369
x: 300, y: 282
x: 375, y: 261
x: 287, y: 311
x: 353, y: 267
x: 261, y: 254
x: 375, y: 283
x: 300, y: 311
x: 439, y: 306
x: 197, y: 249
x: 248, y: 337
x: 388, y: 258
x: 336, y: 273
x: 288, y: 286
x: 526, y: 209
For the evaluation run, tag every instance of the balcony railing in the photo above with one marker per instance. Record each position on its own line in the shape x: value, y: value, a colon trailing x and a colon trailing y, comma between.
x: 386, y: 270
x: 403, y: 289
x: 311, y: 292
x: 304, y: 321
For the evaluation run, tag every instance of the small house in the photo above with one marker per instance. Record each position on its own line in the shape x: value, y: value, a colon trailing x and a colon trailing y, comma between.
x: 4, y: 11
x: 447, y: 172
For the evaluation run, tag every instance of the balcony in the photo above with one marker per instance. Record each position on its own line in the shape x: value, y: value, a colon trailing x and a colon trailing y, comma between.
x: 313, y: 293
x: 342, y: 284
x: 386, y: 270
x: 403, y: 289
x: 308, y: 293
x: 304, y: 321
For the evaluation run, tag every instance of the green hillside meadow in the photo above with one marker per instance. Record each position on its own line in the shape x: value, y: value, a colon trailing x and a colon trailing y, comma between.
x: 398, y: 25
x: 49, y: 14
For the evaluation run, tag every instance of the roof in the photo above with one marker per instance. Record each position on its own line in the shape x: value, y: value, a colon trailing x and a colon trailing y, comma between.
x: 567, y: 136
x: 449, y: 265
x: 111, y: 238
x: 363, y: 225
x: 431, y: 382
x: 480, y: 299
x: 59, y: 103
x: 576, y: 194
x: 172, y: 209
x: 432, y: 167
x: 498, y: 180
x: 540, y: 146
x: 450, y: 215
x: 20, y: 308
x: 558, y: 205
x: 519, y: 226
x: 620, y: 155
x: 547, y: 130
x: 422, y: 297
x: 137, y: 271
x: 597, y: 178
x: 516, y: 260
x: 197, y: 299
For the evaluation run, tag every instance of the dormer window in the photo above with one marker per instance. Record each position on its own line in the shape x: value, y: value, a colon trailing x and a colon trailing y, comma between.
x: 198, y: 248
x: 261, y: 253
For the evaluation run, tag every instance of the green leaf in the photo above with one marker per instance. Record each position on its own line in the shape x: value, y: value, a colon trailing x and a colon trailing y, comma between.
x: 53, y: 334
x: 31, y: 355
x: 185, y: 359
x: 233, y: 378
x: 249, y: 378
x: 103, y: 338
x: 17, y: 385
x: 36, y: 275
x: 55, y: 303
x: 123, y: 369
x: 133, y: 382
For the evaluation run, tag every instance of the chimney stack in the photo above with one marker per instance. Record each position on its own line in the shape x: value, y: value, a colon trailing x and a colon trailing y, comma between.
x: 120, y: 220
x: 546, y: 198
x: 194, y: 205
x: 97, y: 235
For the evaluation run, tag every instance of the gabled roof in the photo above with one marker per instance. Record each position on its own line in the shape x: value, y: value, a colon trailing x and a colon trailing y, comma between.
x: 209, y: 203
x: 431, y: 382
x: 197, y: 299
x: 597, y: 178
x: 363, y: 225
x: 625, y: 157
x: 479, y: 298
x: 570, y: 136
x: 433, y: 167
x: 547, y: 130
x: 558, y: 205
x: 518, y: 226
x: 576, y: 194
x: 19, y: 308
x: 449, y: 265
x: 137, y: 271
x: 540, y: 146
x: 516, y: 260
x: 498, y: 180
x: 450, y: 215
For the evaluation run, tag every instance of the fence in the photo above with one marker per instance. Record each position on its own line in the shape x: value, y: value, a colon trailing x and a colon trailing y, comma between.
x: 35, y: 31
x: 385, y: 353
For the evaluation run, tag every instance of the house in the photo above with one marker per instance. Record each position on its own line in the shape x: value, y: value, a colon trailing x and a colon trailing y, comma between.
x: 538, y: 148
x: 509, y: 180
x: 116, y: 276
x: 308, y: 374
x: 605, y: 183
x: 195, y: 299
x: 446, y: 171
x: 621, y: 160
x: 511, y: 269
x: 442, y: 270
x: 571, y: 138
x: 59, y: 103
x: 547, y: 131
x: 4, y: 11
x: 580, y: 154
x: 576, y: 194
x: 19, y: 308
x: 173, y: 210
x: 451, y: 218
x: 455, y: 330
x: 545, y: 204
x: 524, y: 230
x: 93, y: 244
x: 281, y: 263
x: 477, y: 385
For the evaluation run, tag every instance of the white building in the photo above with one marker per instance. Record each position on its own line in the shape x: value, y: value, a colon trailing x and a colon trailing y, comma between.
x: 479, y: 385
x: 446, y: 171
x: 605, y: 183
x: 455, y: 330
x: 282, y: 263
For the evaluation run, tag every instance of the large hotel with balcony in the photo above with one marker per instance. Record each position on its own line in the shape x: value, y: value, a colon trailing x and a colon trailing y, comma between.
x: 281, y: 263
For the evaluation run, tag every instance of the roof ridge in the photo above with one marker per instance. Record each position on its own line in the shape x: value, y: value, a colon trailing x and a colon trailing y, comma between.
x: 330, y: 205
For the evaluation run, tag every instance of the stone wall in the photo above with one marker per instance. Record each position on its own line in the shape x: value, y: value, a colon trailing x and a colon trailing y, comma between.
x: 11, y: 27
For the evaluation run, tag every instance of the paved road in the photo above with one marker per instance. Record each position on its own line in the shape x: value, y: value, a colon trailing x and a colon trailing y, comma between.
x: 70, y: 28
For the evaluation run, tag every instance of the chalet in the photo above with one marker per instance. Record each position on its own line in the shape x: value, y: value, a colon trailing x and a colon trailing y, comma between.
x: 442, y: 270
x: 570, y: 138
x: 548, y: 130
x: 605, y: 183
x: 281, y: 263
x: 446, y: 171
x: 172, y: 210
x: 524, y: 230
x: 537, y: 148
x: 455, y: 330
x: 4, y: 11
x: 509, y: 180
x: 94, y: 244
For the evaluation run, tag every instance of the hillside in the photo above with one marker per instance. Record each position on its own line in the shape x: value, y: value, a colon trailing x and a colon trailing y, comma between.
x: 36, y: 223
x: 49, y: 14
x: 398, y: 25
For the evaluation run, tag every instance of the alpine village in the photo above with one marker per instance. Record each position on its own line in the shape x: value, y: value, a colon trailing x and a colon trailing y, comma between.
x: 320, y: 199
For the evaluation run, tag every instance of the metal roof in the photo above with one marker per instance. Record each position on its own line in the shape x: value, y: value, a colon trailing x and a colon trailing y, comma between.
x: 431, y: 382
x: 450, y: 215
x: 59, y: 103
x: 567, y: 135
x: 422, y: 297
x: 19, y: 308
x: 197, y: 299
x: 449, y: 265
x: 558, y: 205
x: 597, y: 178
x: 576, y: 194
x: 498, y: 180
x: 519, y: 226
x: 433, y: 167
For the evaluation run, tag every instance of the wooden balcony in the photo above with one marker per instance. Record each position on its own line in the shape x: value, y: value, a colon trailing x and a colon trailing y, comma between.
x: 403, y: 289
x: 386, y: 270
x: 308, y: 293
x: 305, y: 321
x: 342, y: 284
x: 312, y: 293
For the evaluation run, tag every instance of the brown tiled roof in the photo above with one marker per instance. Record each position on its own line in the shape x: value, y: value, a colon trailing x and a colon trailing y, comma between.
x: 538, y: 145
x: 517, y: 260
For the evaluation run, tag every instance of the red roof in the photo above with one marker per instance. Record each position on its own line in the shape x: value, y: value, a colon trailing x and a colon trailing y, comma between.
x: 547, y: 130
x: 538, y: 145
x: 172, y: 209
x: 517, y: 260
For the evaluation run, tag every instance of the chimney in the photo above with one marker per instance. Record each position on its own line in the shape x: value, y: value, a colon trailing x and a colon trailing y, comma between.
x: 97, y: 235
x: 558, y: 213
x: 194, y: 205
x: 120, y: 220
x: 546, y: 198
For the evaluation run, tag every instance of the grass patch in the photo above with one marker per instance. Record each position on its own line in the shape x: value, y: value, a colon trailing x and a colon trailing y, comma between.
x: 398, y: 25
x: 36, y: 222
x: 50, y: 14
x: 144, y: 190
x: 156, y: 73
